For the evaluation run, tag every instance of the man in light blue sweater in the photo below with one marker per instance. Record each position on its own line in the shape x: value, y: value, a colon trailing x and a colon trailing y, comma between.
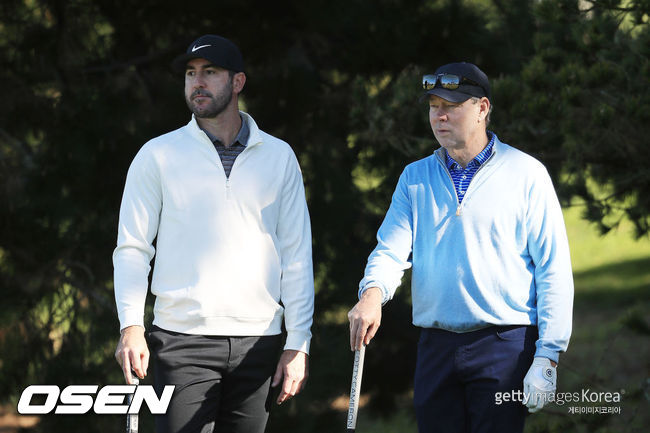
x: 492, y: 287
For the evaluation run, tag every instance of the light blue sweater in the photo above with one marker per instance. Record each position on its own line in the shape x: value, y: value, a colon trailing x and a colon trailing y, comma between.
x: 499, y: 258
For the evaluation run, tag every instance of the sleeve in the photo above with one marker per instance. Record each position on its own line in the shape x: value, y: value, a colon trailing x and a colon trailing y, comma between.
x: 389, y: 259
x: 294, y: 237
x: 548, y: 247
x: 137, y: 228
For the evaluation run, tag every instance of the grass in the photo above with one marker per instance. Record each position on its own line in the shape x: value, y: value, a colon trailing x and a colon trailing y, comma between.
x: 609, y: 350
x: 590, y: 251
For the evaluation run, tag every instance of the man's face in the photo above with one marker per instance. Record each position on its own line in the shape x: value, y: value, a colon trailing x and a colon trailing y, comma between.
x: 454, y: 123
x: 208, y: 88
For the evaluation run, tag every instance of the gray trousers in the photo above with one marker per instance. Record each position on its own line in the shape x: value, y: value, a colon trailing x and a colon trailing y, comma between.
x: 222, y: 383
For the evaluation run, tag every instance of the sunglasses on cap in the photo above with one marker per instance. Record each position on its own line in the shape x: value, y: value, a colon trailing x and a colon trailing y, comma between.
x: 447, y: 81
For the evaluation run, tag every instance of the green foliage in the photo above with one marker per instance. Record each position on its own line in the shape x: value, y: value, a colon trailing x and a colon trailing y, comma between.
x: 582, y: 105
x: 85, y: 83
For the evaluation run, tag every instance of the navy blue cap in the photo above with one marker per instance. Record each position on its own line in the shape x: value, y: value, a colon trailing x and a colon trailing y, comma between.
x: 218, y: 50
x: 465, y: 90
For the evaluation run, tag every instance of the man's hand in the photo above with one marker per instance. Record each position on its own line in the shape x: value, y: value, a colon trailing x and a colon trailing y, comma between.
x: 132, y: 352
x: 539, y: 384
x: 294, y: 368
x: 365, y: 318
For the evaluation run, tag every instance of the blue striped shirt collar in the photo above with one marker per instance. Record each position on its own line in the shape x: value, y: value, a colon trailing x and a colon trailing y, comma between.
x: 478, y: 159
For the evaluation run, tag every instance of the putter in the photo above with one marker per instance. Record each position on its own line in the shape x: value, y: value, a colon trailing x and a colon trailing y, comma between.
x: 355, y: 390
x: 132, y: 419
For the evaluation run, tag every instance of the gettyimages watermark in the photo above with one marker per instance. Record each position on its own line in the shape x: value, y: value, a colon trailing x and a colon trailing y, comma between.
x: 585, y: 401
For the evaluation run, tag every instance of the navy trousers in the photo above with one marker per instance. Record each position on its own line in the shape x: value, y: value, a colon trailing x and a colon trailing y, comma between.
x: 222, y: 383
x: 458, y: 376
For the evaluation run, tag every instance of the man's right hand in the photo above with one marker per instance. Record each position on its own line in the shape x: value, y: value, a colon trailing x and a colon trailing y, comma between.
x: 365, y: 318
x: 132, y: 352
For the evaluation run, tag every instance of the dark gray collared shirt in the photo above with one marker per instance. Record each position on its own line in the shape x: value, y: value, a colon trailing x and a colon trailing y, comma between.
x: 230, y: 153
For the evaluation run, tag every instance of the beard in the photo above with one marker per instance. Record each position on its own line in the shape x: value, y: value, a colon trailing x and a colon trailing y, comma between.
x: 216, y: 105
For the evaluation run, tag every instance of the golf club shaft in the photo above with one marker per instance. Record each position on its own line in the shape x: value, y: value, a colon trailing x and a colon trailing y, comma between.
x: 355, y: 390
x: 132, y: 419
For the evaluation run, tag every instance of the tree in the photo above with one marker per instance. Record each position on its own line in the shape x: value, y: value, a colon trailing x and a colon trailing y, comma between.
x: 582, y: 105
x: 85, y: 83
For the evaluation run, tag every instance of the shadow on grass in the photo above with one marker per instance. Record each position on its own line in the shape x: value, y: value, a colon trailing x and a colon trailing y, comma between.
x: 613, y: 285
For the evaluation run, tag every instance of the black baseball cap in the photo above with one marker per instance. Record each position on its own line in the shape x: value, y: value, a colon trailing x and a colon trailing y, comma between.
x: 473, y: 82
x: 218, y: 50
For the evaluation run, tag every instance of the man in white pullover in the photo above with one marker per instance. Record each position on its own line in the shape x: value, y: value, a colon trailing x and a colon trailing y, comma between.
x: 226, y: 204
x: 492, y: 288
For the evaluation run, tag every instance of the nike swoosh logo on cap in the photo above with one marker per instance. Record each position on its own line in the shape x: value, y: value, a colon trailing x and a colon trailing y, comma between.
x: 194, y: 48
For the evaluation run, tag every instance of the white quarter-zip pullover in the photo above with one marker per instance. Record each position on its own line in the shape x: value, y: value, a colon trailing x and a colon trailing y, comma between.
x: 233, y: 255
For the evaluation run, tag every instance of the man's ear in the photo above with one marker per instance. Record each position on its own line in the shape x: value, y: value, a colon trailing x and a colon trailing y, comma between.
x: 238, y: 82
x: 484, y: 108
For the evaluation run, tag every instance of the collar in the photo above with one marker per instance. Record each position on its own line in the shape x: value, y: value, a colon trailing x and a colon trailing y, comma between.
x: 478, y: 159
x: 241, y: 138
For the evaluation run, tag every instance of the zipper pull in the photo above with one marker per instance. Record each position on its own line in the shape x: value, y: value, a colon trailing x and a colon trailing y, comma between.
x: 458, y: 211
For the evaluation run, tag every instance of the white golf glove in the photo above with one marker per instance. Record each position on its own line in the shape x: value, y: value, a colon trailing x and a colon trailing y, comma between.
x: 539, y: 384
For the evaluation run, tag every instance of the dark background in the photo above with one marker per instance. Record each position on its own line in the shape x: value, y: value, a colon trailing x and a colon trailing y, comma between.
x: 84, y: 84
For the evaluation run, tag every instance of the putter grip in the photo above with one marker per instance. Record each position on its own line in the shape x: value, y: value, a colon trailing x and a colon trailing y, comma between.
x: 355, y: 389
x: 132, y: 419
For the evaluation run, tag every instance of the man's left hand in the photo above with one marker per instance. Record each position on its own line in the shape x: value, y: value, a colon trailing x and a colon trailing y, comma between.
x: 294, y: 368
x: 539, y: 384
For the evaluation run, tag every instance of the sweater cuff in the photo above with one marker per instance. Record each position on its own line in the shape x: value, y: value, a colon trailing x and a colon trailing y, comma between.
x: 385, y: 297
x: 130, y: 318
x: 546, y: 353
x: 298, y: 340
